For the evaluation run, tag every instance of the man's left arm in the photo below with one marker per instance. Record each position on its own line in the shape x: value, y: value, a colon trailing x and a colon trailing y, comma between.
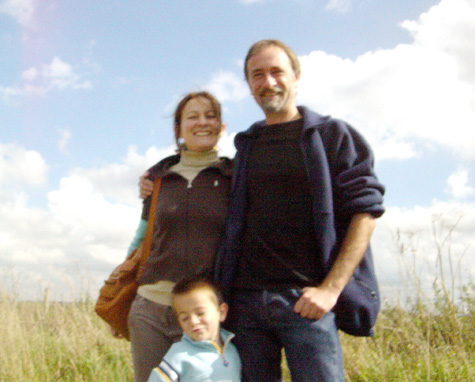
x: 318, y: 300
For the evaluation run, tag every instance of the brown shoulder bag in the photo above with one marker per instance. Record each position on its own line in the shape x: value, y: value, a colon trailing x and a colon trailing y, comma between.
x: 119, y: 290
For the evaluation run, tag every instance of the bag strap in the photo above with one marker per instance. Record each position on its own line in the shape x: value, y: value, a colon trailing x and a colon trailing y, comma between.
x: 147, y: 241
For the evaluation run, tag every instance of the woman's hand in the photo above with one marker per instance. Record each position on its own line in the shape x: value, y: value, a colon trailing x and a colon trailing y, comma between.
x: 116, y: 334
x: 146, y: 185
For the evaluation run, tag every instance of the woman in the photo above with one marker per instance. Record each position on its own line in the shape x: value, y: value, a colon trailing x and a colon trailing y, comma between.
x: 190, y: 219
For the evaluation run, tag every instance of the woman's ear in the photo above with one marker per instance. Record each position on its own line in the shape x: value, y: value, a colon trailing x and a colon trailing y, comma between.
x: 222, y: 130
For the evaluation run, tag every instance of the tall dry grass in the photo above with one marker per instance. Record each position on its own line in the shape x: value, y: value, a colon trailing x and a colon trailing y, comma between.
x: 46, y: 342
x: 424, y: 337
x: 429, y: 341
x: 67, y: 342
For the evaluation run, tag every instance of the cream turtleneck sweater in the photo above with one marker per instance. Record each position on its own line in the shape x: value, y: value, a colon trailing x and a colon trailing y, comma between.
x: 192, y: 162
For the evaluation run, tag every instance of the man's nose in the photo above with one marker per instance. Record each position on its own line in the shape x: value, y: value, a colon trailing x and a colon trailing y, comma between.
x: 269, y: 80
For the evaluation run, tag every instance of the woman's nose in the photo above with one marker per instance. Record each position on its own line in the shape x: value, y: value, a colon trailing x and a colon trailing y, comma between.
x: 202, y: 120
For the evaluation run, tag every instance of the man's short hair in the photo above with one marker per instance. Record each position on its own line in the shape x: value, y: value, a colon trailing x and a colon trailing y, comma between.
x: 262, y: 44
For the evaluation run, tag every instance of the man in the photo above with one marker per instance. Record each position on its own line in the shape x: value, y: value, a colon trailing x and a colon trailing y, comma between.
x: 304, y: 199
x: 303, y: 203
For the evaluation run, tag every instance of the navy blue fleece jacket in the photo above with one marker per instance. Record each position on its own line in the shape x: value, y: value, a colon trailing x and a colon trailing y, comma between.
x: 339, y: 164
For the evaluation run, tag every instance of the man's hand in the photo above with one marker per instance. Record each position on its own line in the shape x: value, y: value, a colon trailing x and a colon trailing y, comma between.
x: 146, y: 185
x: 315, y: 302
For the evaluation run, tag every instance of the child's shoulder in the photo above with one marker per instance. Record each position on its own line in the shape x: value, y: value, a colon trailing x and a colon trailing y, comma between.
x: 164, y: 373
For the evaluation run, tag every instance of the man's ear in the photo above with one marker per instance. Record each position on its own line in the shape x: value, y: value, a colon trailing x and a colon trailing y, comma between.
x: 223, y: 311
x: 297, y: 81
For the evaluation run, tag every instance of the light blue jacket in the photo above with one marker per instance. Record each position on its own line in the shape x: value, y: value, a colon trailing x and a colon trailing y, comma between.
x: 199, y: 361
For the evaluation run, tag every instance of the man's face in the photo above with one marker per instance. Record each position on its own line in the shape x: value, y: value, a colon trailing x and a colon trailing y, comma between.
x: 272, y: 80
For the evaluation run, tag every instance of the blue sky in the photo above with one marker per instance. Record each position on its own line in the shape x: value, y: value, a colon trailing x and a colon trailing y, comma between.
x: 87, y: 89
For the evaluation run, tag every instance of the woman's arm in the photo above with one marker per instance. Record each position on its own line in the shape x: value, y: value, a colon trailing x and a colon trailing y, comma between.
x: 139, y: 235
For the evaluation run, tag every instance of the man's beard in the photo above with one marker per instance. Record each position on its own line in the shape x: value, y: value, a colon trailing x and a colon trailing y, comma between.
x: 275, y: 103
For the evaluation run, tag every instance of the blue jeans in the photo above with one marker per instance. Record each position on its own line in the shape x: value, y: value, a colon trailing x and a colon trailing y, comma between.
x: 264, y: 322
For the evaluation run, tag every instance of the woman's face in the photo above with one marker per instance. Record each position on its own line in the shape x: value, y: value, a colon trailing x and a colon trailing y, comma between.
x: 199, y: 126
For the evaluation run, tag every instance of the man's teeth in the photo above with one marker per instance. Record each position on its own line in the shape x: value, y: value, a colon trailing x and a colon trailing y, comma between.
x: 203, y: 133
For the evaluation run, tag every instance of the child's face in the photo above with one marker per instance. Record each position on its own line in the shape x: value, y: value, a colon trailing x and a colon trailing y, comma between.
x: 199, y: 315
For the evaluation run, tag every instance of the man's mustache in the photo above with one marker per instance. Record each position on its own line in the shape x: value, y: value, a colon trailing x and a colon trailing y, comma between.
x: 276, y: 90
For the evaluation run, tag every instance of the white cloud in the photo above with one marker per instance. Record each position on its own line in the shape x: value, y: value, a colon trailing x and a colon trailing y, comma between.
x: 412, y: 94
x: 428, y: 245
x: 92, y: 215
x: 341, y: 6
x: 226, y: 145
x: 449, y: 26
x: 37, y: 81
x: 64, y: 137
x: 10, y: 93
x: 118, y: 181
x: 58, y: 74
x: 21, y: 166
x: 420, y: 92
x: 78, y: 230
x: 83, y: 228
x: 86, y: 227
x: 21, y: 10
x: 30, y: 74
x: 457, y: 185
x: 252, y: 1
x: 227, y: 86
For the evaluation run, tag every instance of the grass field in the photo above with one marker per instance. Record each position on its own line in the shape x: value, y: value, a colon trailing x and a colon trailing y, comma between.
x: 428, y: 341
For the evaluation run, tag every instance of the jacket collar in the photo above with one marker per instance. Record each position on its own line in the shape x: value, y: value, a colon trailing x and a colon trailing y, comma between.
x: 310, y: 120
x: 226, y: 337
x: 224, y: 165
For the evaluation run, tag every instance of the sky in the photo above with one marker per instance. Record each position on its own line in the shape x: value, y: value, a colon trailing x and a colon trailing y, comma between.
x: 88, y: 88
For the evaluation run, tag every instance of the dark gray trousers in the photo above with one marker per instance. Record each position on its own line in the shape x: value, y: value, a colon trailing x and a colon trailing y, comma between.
x: 153, y: 328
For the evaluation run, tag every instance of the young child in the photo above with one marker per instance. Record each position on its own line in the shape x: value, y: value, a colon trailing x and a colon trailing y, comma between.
x: 205, y: 352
